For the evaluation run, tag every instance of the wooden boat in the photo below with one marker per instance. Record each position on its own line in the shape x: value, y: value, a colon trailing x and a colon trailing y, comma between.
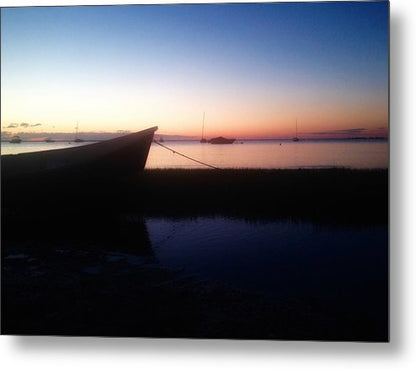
x: 221, y: 140
x: 15, y: 140
x: 126, y: 154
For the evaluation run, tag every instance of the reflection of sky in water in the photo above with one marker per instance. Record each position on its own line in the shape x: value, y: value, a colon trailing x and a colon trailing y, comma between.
x: 284, y: 259
x: 274, y: 154
x: 252, y: 154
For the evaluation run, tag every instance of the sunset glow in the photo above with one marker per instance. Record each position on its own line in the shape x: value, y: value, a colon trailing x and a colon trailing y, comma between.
x: 252, y: 68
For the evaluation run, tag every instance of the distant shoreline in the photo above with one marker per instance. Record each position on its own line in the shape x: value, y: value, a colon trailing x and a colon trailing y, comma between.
x: 237, y: 139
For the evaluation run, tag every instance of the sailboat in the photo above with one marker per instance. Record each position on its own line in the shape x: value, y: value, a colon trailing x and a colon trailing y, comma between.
x: 221, y: 140
x: 217, y: 140
x: 296, y: 139
x: 15, y: 140
x: 203, y: 140
x: 77, y: 139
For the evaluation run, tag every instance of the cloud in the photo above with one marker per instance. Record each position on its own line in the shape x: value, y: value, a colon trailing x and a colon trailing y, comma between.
x: 36, y: 124
x: 351, y: 131
x: 12, y: 125
x: 25, y: 125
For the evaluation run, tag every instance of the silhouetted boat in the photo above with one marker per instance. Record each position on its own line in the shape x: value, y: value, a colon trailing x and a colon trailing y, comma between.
x: 221, y: 140
x: 296, y: 139
x: 161, y: 139
x: 77, y: 139
x: 126, y: 154
x: 49, y: 140
x: 15, y: 140
x: 203, y: 140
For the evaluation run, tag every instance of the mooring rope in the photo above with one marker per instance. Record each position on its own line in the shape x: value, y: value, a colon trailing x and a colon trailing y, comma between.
x: 185, y: 156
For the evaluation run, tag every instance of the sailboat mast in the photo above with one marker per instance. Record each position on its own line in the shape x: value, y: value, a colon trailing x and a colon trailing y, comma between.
x: 76, y: 131
x: 295, y: 139
x: 203, y: 123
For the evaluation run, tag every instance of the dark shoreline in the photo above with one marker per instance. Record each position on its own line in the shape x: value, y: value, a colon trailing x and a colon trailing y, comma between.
x: 286, y: 139
x: 351, y: 196
x: 68, y: 240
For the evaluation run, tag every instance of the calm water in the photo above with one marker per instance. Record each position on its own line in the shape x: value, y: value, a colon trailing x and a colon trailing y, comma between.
x: 252, y: 154
x: 335, y: 277
x: 330, y: 274
x: 280, y: 259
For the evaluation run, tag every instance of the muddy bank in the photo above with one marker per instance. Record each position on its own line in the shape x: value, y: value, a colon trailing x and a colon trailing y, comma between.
x: 68, y: 291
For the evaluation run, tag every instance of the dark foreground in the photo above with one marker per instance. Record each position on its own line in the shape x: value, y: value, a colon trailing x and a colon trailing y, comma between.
x: 77, y: 258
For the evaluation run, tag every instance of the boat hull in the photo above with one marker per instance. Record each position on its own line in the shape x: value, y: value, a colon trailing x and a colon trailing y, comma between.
x: 221, y: 141
x: 15, y: 140
x: 126, y: 154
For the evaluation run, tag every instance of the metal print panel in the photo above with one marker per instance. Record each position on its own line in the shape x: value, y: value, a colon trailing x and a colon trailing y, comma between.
x: 196, y: 171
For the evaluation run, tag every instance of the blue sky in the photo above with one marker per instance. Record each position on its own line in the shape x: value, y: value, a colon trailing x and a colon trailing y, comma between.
x: 251, y: 67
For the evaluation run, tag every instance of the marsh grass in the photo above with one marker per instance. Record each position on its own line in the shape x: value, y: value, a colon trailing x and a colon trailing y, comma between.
x: 331, y: 195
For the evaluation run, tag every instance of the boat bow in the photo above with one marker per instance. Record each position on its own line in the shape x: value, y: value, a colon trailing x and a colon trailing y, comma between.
x: 125, y: 154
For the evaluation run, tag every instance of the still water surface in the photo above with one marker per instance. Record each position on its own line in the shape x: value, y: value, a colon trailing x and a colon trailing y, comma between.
x: 329, y: 274
x: 279, y: 259
x: 274, y: 154
x: 251, y: 154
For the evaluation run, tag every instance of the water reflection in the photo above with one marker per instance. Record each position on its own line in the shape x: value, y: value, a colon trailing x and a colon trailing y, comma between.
x: 253, y: 154
x: 86, y: 230
x: 115, y: 273
x: 274, y: 154
x: 342, y: 269
x: 276, y: 258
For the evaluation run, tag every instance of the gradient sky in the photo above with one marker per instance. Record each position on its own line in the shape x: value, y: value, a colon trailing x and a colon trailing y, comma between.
x: 253, y: 68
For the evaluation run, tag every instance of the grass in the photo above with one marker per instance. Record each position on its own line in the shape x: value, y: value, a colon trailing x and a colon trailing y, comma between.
x: 329, y: 195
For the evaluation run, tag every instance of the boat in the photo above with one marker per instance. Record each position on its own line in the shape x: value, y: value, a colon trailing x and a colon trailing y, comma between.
x: 161, y: 139
x: 77, y: 139
x: 203, y: 140
x: 121, y: 155
x: 221, y: 140
x: 296, y: 138
x: 15, y: 140
x: 48, y: 139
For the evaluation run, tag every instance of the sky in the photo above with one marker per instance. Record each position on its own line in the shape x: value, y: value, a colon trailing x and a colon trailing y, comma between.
x: 254, y: 69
